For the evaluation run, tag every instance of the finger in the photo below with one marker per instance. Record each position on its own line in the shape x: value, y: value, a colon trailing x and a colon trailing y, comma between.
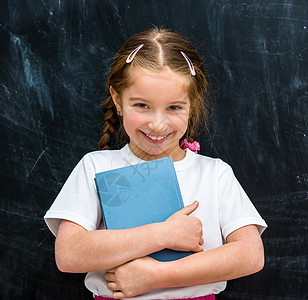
x: 187, y: 210
x: 111, y: 270
x: 112, y: 286
x: 118, y: 295
x: 199, y: 249
x: 110, y: 277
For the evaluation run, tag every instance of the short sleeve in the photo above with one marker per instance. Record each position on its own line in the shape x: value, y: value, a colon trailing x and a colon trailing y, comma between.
x: 78, y: 200
x: 235, y: 208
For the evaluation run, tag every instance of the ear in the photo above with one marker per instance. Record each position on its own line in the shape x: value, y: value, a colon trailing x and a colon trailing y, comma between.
x: 115, y: 98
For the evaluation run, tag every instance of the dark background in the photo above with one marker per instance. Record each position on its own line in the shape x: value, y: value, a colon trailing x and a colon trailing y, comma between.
x: 54, y: 56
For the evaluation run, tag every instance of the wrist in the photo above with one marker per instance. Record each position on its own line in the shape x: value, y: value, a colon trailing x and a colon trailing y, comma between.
x: 165, y: 274
x: 161, y: 236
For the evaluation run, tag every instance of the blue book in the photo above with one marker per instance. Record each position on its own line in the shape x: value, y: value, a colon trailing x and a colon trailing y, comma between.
x: 141, y: 194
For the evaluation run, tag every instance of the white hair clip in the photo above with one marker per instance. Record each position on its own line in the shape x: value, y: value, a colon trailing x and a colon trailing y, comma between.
x: 131, y: 56
x: 190, y: 64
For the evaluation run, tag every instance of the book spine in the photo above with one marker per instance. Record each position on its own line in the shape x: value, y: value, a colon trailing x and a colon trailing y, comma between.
x: 176, y: 184
x: 101, y: 201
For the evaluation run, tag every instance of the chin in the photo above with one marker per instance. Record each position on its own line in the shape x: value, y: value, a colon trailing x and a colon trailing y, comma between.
x: 153, y: 152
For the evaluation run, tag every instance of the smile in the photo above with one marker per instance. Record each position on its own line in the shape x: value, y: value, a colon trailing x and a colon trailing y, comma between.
x: 156, y: 138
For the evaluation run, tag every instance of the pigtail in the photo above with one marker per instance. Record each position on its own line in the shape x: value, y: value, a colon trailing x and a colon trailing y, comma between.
x: 110, y: 123
x: 190, y: 134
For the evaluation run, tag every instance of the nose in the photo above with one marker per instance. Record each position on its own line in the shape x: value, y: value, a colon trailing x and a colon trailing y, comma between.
x: 158, y: 122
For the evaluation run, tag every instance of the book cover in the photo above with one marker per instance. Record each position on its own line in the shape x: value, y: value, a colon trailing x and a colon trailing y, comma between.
x: 141, y: 194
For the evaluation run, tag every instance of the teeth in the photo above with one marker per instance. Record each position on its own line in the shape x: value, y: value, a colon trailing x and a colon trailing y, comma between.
x: 156, y: 138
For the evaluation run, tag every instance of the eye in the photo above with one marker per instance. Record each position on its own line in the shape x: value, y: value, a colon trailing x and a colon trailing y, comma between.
x: 141, y: 105
x: 174, y: 107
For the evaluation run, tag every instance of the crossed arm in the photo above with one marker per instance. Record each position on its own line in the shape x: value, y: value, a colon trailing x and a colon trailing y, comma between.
x: 129, y: 272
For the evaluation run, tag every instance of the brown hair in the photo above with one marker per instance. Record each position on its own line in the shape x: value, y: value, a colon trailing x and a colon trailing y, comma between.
x: 161, y: 47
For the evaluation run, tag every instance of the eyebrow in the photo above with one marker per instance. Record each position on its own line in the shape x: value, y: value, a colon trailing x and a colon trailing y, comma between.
x: 136, y: 99
x: 182, y: 102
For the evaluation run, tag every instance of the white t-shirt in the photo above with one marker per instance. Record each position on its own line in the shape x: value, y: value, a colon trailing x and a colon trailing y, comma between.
x: 223, y: 207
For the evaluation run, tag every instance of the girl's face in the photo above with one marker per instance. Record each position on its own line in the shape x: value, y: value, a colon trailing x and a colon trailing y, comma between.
x: 155, y: 109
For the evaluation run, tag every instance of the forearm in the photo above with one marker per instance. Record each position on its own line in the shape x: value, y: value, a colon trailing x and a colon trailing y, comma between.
x: 224, y: 263
x: 237, y: 258
x: 79, y: 251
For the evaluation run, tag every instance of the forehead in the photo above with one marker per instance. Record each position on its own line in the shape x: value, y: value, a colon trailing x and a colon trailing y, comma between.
x: 165, y: 82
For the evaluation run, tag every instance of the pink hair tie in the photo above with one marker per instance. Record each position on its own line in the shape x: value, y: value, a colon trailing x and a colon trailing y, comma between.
x: 195, y: 146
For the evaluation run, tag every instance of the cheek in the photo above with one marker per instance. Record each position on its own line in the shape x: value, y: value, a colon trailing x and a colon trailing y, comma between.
x: 132, y: 119
x: 181, y: 121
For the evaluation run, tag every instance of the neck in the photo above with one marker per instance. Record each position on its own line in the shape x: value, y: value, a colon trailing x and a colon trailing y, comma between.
x: 176, y: 153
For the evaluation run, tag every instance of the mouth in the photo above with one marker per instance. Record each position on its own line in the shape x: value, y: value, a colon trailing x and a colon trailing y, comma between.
x: 155, y: 138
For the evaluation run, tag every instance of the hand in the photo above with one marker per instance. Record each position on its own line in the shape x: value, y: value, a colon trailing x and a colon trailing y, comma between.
x: 184, y: 232
x: 132, y: 278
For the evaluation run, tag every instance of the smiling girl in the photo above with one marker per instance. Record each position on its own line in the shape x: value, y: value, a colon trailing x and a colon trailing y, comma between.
x: 157, y: 95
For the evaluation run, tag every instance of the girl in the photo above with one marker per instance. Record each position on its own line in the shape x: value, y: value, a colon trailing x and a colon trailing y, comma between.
x: 157, y: 93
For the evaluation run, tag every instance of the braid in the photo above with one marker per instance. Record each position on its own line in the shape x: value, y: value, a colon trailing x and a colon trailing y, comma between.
x: 190, y: 134
x: 110, y: 123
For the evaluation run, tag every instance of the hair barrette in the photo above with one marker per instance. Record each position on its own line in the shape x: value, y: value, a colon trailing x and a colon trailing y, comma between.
x: 190, y: 64
x: 131, y: 56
